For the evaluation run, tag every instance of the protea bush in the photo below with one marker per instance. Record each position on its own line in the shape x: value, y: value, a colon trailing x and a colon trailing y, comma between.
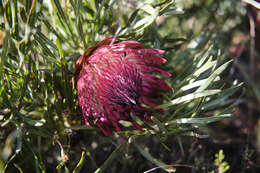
x: 139, y: 79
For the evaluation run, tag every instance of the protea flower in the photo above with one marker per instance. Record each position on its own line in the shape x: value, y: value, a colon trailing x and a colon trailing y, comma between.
x: 114, y: 80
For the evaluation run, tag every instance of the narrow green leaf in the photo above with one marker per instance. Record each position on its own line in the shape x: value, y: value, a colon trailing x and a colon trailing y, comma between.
x: 47, y: 51
x: 197, y: 83
x: 18, y: 167
x: 193, y: 134
x: 254, y: 3
x: 143, y: 23
x: 180, y: 144
x: 60, y: 165
x: 189, y: 97
x: 8, y: 120
x: 202, y: 58
x: 247, y: 77
x: 13, y: 5
x: 202, y: 121
x: 205, y: 67
x: 66, y: 19
x: 4, y: 53
x: 160, y: 125
x: 213, y: 76
x: 93, y: 5
x: 39, y: 162
x: 79, y: 24
x: 32, y: 15
x: 148, y: 9
x: 221, y: 98
x: 133, y: 16
x: 59, y: 48
x: 172, y: 11
x: 46, y: 40
x: 73, y: 5
x: 15, y: 136
x: 80, y: 164
x: 146, y: 21
x: 109, y: 160
x: 60, y: 10
x: 49, y: 27
x: 8, y: 15
x: 36, y: 123
x: 155, y: 161
x: 203, y: 39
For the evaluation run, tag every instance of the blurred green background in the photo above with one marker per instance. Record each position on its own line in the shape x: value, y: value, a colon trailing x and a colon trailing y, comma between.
x: 41, y: 128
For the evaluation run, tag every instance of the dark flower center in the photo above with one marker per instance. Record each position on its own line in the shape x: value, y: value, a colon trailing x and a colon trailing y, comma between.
x: 127, y: 87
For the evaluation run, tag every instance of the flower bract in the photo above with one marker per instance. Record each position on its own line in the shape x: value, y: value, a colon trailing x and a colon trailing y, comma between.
x: 115, y: 80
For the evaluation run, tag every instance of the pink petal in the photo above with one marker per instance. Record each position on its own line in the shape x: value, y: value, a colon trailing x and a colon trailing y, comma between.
x: 146, y: 69
x: 149, y: 50
x: 104, y: 128
x: 148, y: 59
x: 148, y: 101
x: 154, y: 81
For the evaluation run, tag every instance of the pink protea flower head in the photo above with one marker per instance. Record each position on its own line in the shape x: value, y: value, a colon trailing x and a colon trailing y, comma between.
x: 114, y: 80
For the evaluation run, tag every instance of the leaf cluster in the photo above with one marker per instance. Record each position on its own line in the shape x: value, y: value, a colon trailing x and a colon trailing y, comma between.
x: 39, y: 114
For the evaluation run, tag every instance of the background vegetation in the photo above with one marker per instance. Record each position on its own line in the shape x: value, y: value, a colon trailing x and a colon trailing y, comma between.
x: 211, y: 51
